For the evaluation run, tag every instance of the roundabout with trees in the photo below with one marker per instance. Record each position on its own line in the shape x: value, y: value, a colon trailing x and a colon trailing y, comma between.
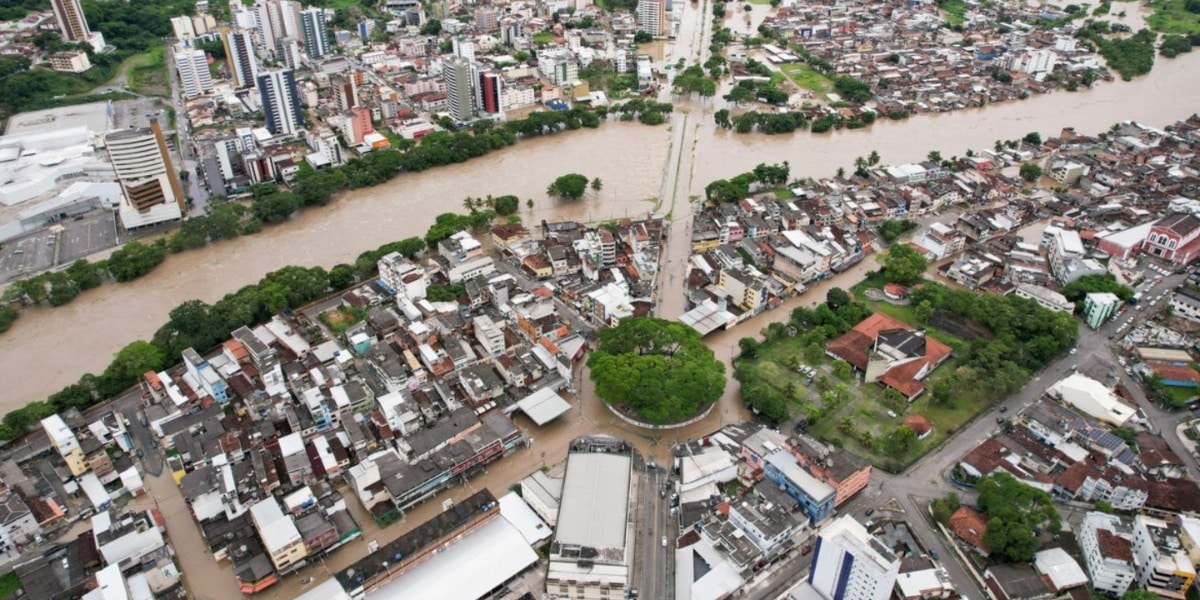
x: 656, y: 372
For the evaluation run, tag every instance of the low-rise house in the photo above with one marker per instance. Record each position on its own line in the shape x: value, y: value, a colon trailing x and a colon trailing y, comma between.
x: 970, y: 526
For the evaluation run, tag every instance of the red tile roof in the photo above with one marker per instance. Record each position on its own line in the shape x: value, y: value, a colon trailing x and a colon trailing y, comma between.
x: 1174, y: 373
x: 969, y: 525
x: 855, y: 345
x: 1113, y: 546
x: 919, y: 424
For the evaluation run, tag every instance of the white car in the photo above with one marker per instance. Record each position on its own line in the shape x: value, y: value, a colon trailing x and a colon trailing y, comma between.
x: 664, y: 541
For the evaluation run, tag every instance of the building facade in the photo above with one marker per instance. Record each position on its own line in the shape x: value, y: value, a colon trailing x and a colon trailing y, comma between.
x: 1099, y: 307
x: 456, y: 74
x: 1107, y: 552
x: 192, y: 66
x: 281, y: 101
x: 314, y: 33
x: 149, y: 182
x: 850, y: 564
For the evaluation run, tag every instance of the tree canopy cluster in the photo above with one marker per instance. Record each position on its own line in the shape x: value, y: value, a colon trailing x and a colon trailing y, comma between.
x: 658, y: 368
x: 1077, y: 290
x: 1130, y: 55
x: 693, y: 80
x: 903, y: 264
x: 1024, y: 337
x: 571, y: 186
x: 852, y: 89
x: 813, y: 328
x: 763, y: 175
x: 892, y: 229
x: 1017, y: 513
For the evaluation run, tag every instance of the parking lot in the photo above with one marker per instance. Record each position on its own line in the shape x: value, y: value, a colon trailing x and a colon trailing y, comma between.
x: 73, y: 239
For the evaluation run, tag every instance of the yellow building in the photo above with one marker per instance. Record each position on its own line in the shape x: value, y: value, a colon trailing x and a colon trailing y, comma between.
x: 280, y: 538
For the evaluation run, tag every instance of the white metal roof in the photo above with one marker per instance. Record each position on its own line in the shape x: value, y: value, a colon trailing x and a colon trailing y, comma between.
x: 543, y: 406
x: 1062, y: 570
x: 491, y: 555
x: 519, y: 515
x: 595, y: 500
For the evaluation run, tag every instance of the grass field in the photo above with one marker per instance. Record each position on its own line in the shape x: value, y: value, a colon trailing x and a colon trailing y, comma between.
x: 956, y: 11
x: 148, y: 73
x: 866, y: 410
x: 1170, y: 16
x: 9, y: 584
x: 805, y: 77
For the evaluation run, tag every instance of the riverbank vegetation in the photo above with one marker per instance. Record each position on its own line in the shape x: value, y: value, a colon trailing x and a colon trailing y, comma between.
x: 265, y: 204
x: 199, y: 325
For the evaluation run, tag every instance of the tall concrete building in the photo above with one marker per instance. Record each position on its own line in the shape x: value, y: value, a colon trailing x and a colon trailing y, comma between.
x: 149, y: 183
x: 850, y: 564
x: 281, y: 101
x: 192, y: 65
x: 488, y: 92
x: 652, y: 17
x: 71, y: 20
x: 314, y: 33
x: 456, y: 74
x: 239, y: 54
x: 270, y: 23
x: 287, y: 51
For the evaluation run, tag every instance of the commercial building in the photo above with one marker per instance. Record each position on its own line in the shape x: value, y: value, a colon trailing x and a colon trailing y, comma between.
x: 239, y: 55
x: 281, y: 101
x: 150, y: 184
x: 590, y: 554
x: 652, y: 17
x: 314, y: 33
x: 1092, y: 398
x: 1175, y: 238
x: 192, y: 65
x: 282, y: 541
x: 850, y: 564
x: 1098, y: 307
x: 456, y: 74
x: 1108, y: 552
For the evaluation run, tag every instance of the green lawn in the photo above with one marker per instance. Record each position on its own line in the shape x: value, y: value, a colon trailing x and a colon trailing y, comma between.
x: 805, y: 77
x: 1181, y: 394
x: 956, y: 11
x: 9, y: 584
x: 1170, y: 16
x: 543, y: 37
x: 784, y: 193
x: 148, y: 73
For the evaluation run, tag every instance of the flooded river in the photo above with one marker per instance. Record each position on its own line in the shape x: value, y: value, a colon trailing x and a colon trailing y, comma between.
x: 49, y: 348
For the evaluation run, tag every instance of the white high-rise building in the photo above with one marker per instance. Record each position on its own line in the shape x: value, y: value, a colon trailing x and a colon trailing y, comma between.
x: 850, y: 564
x: 460, y: 95
x: 287, y: 50
x: 280, y: 101
x: 652, y: 17
x: 72, y: 23
x: 289, y: 15
x: 314, y: 33
x: 192, y: 65
x: 270, y: 24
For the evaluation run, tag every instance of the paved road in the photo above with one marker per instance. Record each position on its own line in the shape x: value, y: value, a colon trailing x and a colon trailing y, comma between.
x: 653, y: 569
x: 187, y: 158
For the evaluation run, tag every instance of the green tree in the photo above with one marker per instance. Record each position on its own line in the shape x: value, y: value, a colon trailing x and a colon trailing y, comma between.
x: 923, y: 310
x: 129, y: 364
x: 892, y: 229
x: 642, y: 37
x: 749, y: 347
x: 597, y: 185
x: 943, y: 508
x: 341, y: 276
x: 1030, y: 172
x: 431, y: 27
x: 1015, y: 511
x: 1033, y: 138
x: 571, y: 186
x: 722, y: 118
x: 506, y: 205
x: 658, y: 368
x: 135, y: 259
x: 842, y: 370
x: 902, y: 264
x: 836, y: 298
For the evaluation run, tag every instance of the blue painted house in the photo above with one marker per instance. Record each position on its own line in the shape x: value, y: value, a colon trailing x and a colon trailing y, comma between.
x: 814, y: 495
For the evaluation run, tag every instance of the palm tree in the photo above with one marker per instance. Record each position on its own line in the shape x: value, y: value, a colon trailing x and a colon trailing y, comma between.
x: 860, y: 163
x: 873, y: 159
x: 841, y: 173
x: 597, y: 185
x: 469, y: 203
x: 934, y: 156
x: 529, y: 203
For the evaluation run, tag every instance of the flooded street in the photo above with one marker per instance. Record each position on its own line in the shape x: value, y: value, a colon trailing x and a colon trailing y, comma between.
x: 55, y: 346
